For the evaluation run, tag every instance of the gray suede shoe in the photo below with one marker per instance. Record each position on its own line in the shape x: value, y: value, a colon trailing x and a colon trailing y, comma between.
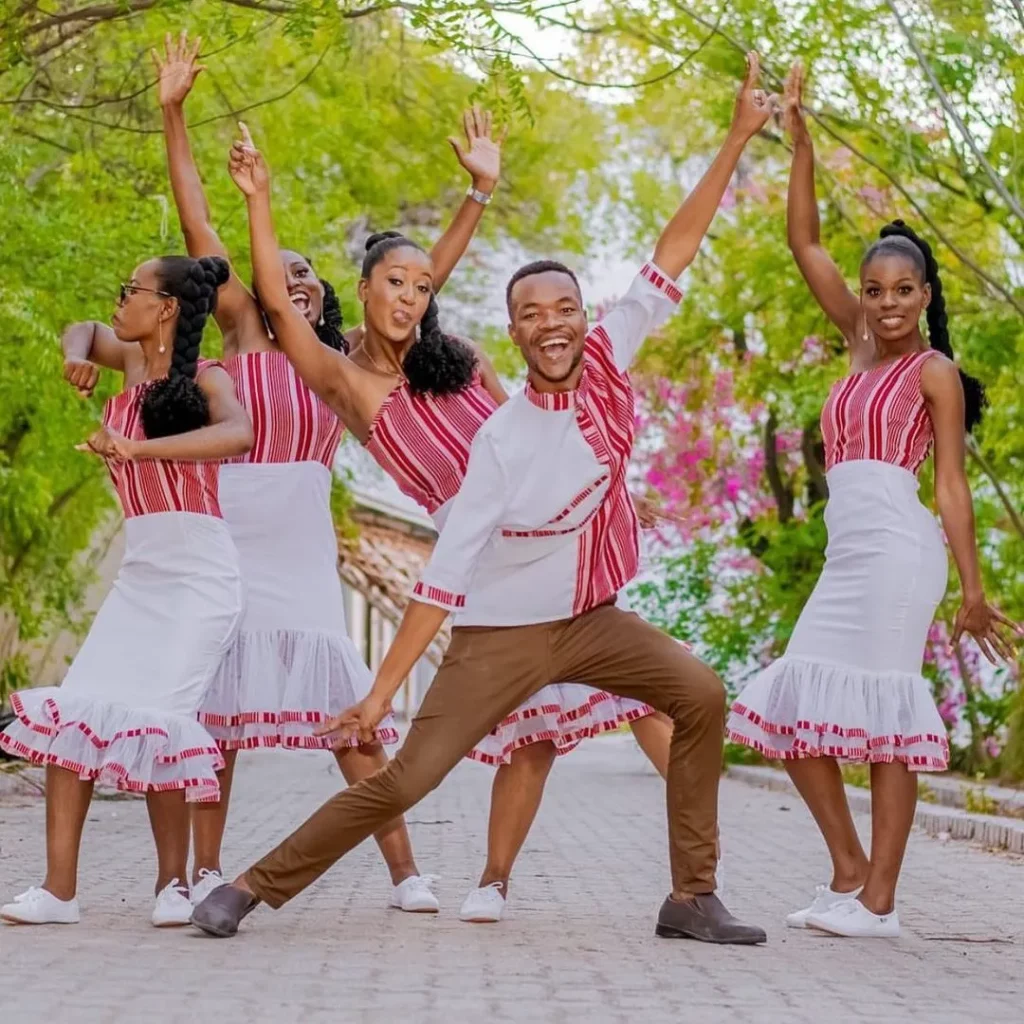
x: 705, y: 919
x: 222, y: 911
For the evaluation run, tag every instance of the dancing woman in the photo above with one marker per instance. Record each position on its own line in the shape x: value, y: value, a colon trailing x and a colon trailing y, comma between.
x: 126, y: 711
x: 849, y: 685
x: 293, y: 663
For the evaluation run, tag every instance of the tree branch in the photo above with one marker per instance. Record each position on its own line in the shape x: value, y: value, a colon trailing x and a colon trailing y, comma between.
x: 997, y: 182
x: 989, y: 471
x: 781, y: 491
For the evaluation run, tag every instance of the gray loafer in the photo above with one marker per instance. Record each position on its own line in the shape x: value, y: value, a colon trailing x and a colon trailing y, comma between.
x: 222, y: 911
x: 705, y: 919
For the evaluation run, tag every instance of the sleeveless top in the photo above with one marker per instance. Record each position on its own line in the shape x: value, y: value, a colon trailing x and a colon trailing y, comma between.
x: 422, y: 441
x: 879, y: 414
x: 147, y: 486
x: 289, y: 422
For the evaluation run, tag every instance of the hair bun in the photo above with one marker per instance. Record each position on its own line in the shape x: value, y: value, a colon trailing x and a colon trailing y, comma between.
x: 381, y: 236
x: 215, y: 269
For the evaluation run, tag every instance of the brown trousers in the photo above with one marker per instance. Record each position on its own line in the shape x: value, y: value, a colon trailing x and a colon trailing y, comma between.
x: 487, y: 672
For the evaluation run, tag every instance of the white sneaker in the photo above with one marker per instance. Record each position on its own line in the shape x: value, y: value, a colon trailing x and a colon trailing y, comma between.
x: 38, y: 906
x: 414, y: 896
x: 484, y: 906
x: 208, y: 881
x: 853, y: 920
x: 824, y: 899
x: 173, y: 908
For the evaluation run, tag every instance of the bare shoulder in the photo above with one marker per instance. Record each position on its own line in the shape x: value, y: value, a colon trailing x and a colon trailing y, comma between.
x: 939, y: 373
x: 214, y: 379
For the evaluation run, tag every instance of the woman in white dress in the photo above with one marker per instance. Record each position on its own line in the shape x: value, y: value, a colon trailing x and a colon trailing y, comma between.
x: 126, y: 711
x: 849, y: 686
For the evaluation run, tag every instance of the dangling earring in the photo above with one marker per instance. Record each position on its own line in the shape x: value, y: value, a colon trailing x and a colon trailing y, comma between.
x: 320, y: 322
x: 160, y: 331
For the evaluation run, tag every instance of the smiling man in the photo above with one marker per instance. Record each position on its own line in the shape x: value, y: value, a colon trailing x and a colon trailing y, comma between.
x: 537, y: 544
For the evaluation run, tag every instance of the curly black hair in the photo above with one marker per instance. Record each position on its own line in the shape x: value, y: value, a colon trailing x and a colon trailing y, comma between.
x: 176, y: 404
x: 436, y: 364
x: 898, y: 238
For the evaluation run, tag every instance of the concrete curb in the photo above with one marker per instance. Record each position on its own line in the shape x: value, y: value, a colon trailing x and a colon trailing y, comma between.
x: 942, y: 822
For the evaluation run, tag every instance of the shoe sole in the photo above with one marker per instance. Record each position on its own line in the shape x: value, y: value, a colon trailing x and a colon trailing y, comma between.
x: 217, y: 933
x: 171, y: 924
x: 843, y: 935
x: 479, y: 920
x: 664, y: 931
x: 29, y: 924
x: 415, y: 910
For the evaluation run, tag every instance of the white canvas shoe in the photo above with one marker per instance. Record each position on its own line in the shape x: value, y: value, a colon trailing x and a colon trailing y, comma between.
x: 824, y: 899
x: 208, y: 881
x: 414, y: 895
x: 38, y: 906
x: 173, y: 908
x: 853, y: 920
x: 484, y: 905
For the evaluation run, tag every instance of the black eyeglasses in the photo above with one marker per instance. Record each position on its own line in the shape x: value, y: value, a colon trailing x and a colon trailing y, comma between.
x: 131, y: 289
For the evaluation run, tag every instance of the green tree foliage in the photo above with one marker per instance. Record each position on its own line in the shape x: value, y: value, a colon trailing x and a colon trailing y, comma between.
x: 352, y: 105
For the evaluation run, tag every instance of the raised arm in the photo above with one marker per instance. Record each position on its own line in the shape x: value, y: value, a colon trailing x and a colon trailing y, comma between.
x: 237, y: 310
x: 481, y: 159
x: 681, y: 240
x: 944, y: 395
x: 803, y: 228
x: 330, y: 374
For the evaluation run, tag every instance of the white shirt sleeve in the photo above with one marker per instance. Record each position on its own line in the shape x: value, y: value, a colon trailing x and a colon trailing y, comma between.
x: 472, y: 520
x: 651, y: 299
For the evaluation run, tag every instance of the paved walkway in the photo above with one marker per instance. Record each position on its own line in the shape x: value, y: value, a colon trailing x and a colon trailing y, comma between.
x: 577, y: 942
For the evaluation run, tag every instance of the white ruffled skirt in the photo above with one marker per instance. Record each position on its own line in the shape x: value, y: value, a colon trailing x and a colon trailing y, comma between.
x: 125, y: 713
x: 850, y: 684
x: 564, y: 714
x: 292, y: 665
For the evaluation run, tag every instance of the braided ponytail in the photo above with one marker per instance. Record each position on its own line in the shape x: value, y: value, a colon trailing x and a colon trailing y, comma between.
x: 897, y: 237
x: 435, y: 364
x: 176, y: 404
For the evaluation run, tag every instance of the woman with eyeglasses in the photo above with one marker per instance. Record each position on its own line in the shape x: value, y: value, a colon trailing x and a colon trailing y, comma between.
x: 126, y: 712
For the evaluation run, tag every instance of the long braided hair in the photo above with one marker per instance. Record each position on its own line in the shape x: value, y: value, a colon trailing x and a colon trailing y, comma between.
x: 436, y: 364
x: 176, y: 404
x: 898, y: 238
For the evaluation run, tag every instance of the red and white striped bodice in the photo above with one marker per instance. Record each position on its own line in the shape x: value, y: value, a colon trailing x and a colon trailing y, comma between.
x: 289, y: 422
x: 879, y: 414
x: 422, y: 441
x: 157, y: 485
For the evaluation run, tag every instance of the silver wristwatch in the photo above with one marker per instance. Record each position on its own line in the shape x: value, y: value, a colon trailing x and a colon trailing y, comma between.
x: 483, y: 198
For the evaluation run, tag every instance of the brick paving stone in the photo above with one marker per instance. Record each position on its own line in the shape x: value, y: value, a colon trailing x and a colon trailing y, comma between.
x: 576, y: 943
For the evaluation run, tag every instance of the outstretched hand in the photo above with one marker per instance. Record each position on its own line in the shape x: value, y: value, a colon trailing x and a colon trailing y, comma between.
x: 481, y: 155
x: 993, y: 632
x: 358, y: 722
x: 246, y: 165
x: 177, y: 69
x: 753, y: 105
x: 792, y: 104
